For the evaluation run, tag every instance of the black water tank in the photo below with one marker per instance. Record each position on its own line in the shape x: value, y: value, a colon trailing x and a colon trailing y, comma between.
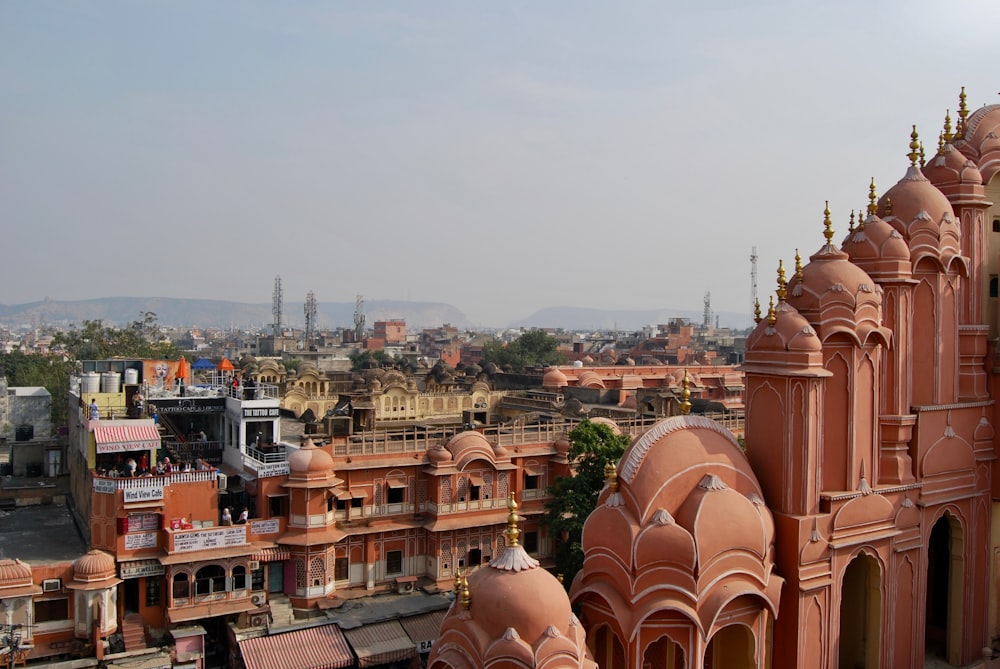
x: 24, y: 433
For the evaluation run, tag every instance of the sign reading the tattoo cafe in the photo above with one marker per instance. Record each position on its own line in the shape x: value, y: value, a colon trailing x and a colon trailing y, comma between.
x: 190, y: 405
x: 271, y: 469
x: 266, y: 412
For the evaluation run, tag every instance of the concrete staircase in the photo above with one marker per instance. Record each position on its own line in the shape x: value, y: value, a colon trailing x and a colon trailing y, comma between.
x: 133, y: 632
x: 282, y: 613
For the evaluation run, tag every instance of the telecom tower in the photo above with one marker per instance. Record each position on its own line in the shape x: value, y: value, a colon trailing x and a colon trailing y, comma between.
x: 359, y: 318
x: 706, y: 318
x: 276, y: 302
x: 310, y: 310
x: 753, y: 283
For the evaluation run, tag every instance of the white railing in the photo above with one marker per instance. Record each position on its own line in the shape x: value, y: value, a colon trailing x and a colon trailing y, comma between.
x: 128, y: 483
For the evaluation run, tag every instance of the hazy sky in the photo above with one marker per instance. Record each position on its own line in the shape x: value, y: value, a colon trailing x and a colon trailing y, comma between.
x: 498, y: 156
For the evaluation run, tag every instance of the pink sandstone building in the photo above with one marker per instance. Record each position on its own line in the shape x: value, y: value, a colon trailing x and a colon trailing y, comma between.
x: 856, y: 525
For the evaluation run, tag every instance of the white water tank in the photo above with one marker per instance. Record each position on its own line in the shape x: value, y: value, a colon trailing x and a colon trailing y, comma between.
x: 110, y: 382
x: 90, y: 382
x: 131, y: 377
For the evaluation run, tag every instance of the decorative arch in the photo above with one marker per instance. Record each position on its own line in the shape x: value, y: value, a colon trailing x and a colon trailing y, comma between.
x: 861, y: 611
x: 732, y: 647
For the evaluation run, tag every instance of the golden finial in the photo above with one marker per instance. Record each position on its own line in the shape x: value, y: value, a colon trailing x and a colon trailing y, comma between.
x: 772, y: 315
x: 458, y: 581
x: 466, y: 595
x: 782, y: 284
x: 963, y: 113
x: 914, y: 147
x: 872, y: 199
x: 923, y: 160
x: 827, y: 224
x: 756, y: 311
x: 940, y: 141
x: 888, y: 207
x: 947, y: 126
x: 850, y: 224
x: 686, y: 394
x: 798, y: 266
x: 512, y: 532
x: 559, y: 577
x: 611, y: 476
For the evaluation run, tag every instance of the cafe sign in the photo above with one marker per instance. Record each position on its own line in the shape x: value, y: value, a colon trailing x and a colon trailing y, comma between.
x: 105, y: 486
x: 269, y: 469
x: 144, y: 494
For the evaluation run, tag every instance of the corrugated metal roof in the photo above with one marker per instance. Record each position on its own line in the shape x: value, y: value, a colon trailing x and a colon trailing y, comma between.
x: 423, y: 628
x: 314, y: 648
x: 126, y: 432
x: 380, y: 643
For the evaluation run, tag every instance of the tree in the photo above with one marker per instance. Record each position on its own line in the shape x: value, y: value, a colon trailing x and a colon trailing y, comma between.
x: 572, y: 498
x: 96, y: 341
x: 48, y: 371
x: 532, y: 349
x: 366, y: 359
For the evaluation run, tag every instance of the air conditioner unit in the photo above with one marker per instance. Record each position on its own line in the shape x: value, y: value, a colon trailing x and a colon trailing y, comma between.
x: 254, y: 564
x: 223, y: 483
x: 258, y: 600
x: 258, y: 620
x: 52, y: 585
x: 404, y: 587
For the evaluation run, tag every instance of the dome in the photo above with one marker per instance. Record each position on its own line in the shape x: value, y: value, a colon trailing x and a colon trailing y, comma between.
x: 14, y: 573
x: 980, y: 140
x: 439, y: 454
x: 878, y: 248
x: 589, y: 379
x: 309, y: 460
x: 912, y: 200
x: 554, y: 378
x: 510, y: 613
x: 951, y: 167
x: 94, y: 565
x: 790, y: 332
x: 610, y: 424
x: 469, y: 445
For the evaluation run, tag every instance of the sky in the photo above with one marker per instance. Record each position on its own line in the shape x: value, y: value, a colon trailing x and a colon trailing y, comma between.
x: 501, y: 157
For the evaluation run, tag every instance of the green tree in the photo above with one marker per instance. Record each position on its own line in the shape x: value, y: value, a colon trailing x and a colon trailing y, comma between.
x: 532, y: 349
x: 572, y: 498
x: 48, y: 371
x: 97, y: 341
x: 361, y: 360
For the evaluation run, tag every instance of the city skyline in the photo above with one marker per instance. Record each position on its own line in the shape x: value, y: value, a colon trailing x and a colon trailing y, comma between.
x: 501, y: 159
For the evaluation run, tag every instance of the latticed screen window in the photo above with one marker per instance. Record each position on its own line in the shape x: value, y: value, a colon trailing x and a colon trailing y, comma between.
x: 300, y: 572
x: 317, y: 572
x: 341, y: 569
x: 446, y: 491
x: 502, y: 485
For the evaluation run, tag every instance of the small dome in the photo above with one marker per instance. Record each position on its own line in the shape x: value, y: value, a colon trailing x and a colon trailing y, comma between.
x: 469, y: 445
x: 789, y: 332
x: 13, y: 573
x: 309, y: 460
x: 914, y: 198
x: 950, y: 167
x: 554, y: 378
x: 439, y: 454
x: 878, y: 248
x: 562, y: 445
x: 94, y: 565
x: 610, y: 424
x: 589, y: 379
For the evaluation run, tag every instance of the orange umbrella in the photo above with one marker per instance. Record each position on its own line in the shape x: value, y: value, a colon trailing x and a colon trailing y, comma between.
x: 226, y: 366
x: 183, y: 369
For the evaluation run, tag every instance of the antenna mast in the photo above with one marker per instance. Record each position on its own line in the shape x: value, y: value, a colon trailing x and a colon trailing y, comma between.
x: 310, y: 310
x: 276, y: 302
x: 753, y: 283
x: 359, y: 318
x: 706, y: 318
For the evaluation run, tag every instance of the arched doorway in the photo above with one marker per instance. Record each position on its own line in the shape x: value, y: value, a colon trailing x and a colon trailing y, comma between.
x: 608, y: 651
x: 663, y: 654
x: 731, y: 647
x: 860, y: 614
x: 943, y: 613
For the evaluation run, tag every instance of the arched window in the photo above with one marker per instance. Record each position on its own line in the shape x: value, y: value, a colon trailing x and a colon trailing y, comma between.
x: 181, y: 587
x: 210, y: 579
x: 239, y: 577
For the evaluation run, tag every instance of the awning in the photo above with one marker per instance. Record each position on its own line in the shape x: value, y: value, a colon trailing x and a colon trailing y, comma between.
x: 343, y: 495
x: 314, y: 648
x: 533, y: 470
x: 275, y: 554
x: 424, y: 629
x: 361, y: 493
x: 209, y: 610
x: 396, y: 483
x: 220, y: 553
x: 126, y: 435
x: 476, y: 480
x: 380, y: 643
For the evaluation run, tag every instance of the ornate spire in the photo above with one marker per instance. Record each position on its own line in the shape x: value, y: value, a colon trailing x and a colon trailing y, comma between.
x: 888, y: 207
x: 963, y: 114
x: 872, y: 199
x: 686, y: 394
x: 914, y: 153
x: 923, y: 160
x: 782, y: 284
x: 466, y: 595
x: 850, y: 224
x: 772, y: 315
x: 827, y: 224
x: 512, y: 533
x: 940, y: 141
x: 756, y: 311
x: 947, y: 126
x: 798, y: 266
x: 458, y: 581
x: 611, y: 476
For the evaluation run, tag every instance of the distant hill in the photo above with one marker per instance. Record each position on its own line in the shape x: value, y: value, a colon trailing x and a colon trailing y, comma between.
x: 223, y: 314
x: 179, y: 312
x: 582, y: 318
